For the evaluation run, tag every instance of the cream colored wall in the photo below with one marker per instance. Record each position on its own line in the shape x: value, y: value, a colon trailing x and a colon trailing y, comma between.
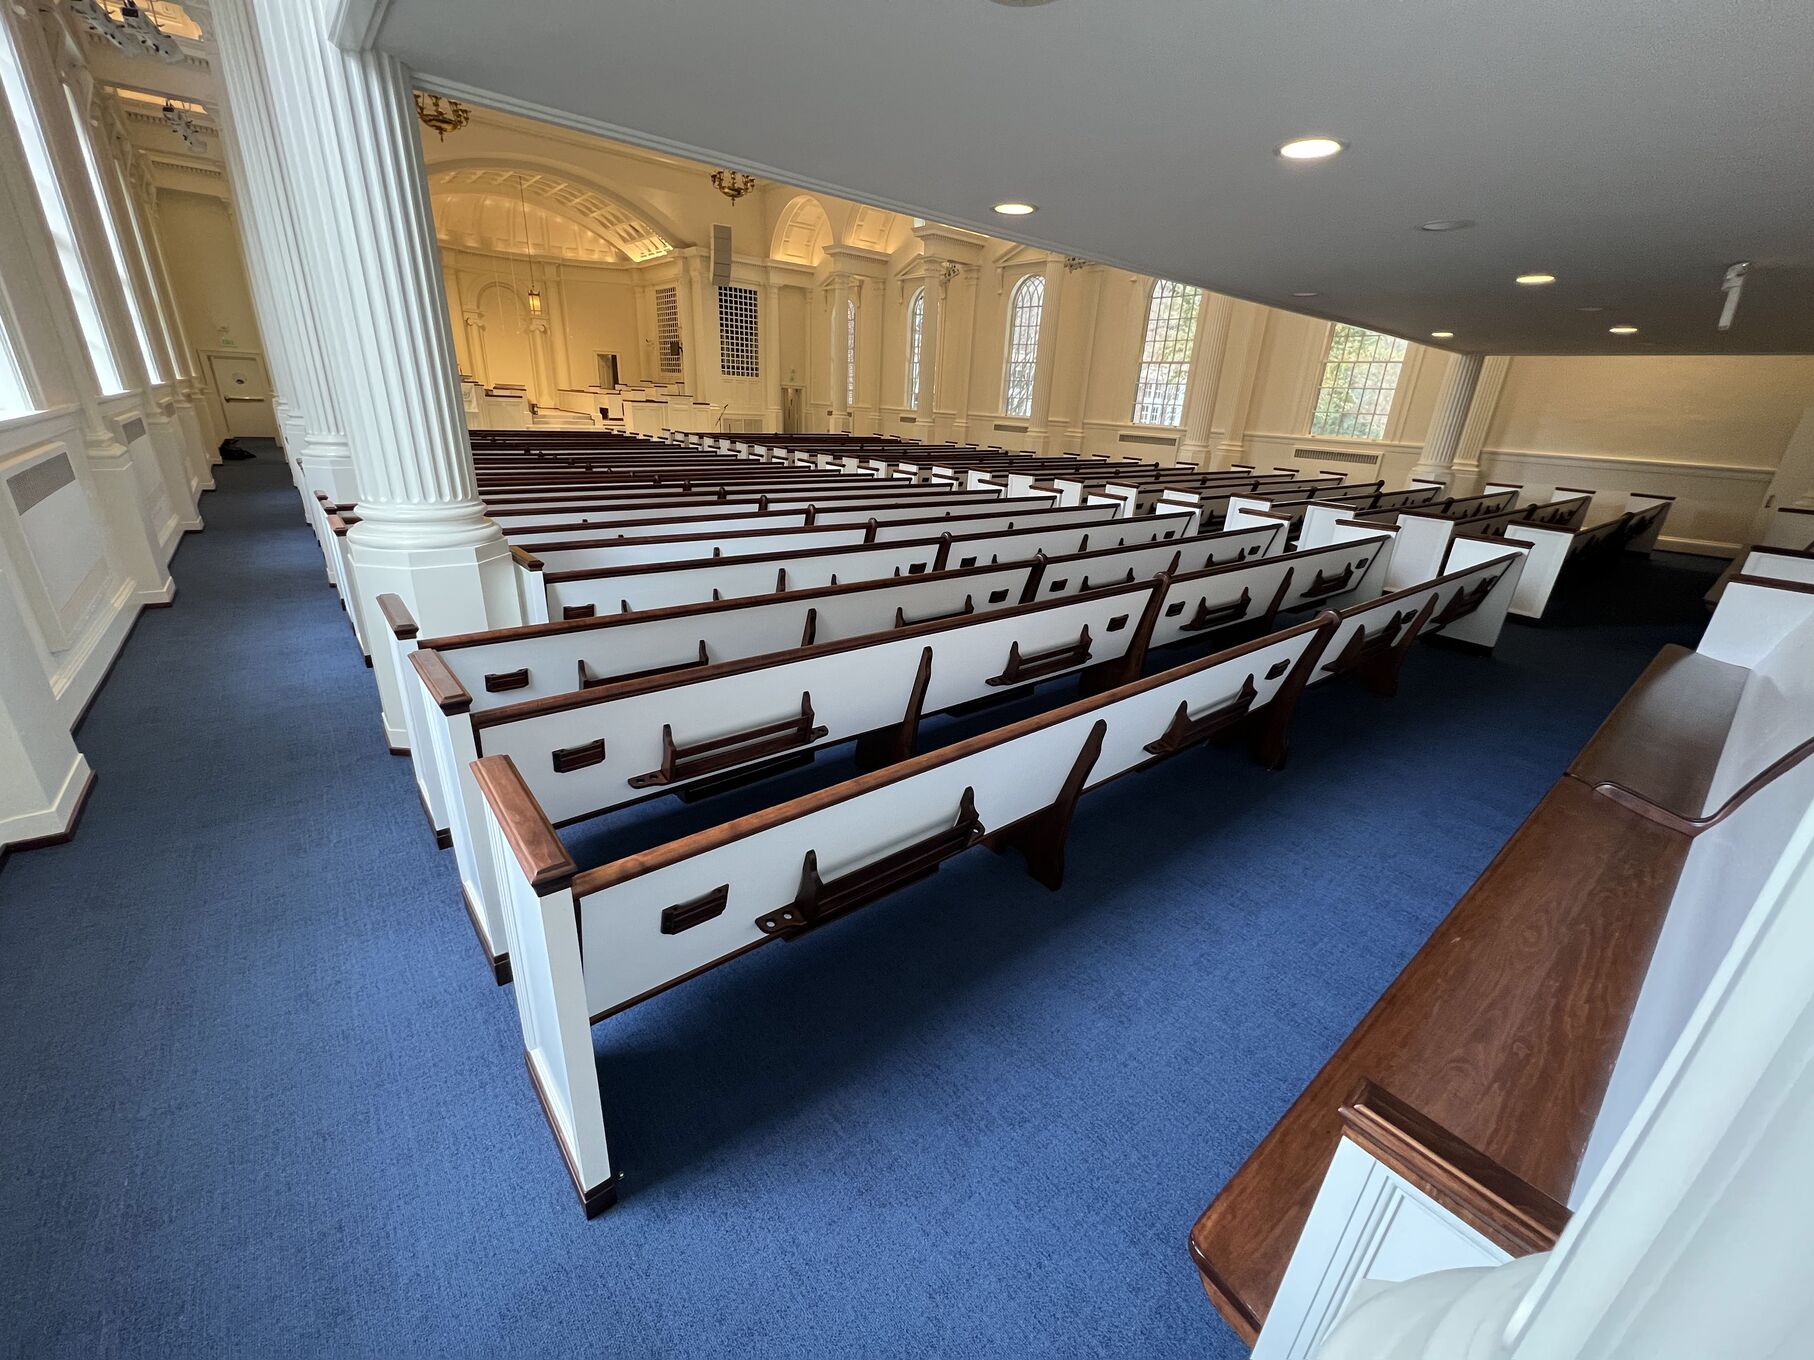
x: 1729, y: 411
x: 1708, y: 430
x: 208, y: 272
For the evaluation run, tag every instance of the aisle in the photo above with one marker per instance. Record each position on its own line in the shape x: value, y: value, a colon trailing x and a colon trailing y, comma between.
x: 262, y: 1098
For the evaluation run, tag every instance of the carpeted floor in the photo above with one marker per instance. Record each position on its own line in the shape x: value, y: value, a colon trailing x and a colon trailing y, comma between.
x: 262, y: 1098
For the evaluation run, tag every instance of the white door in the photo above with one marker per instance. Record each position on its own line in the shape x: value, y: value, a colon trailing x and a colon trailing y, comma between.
x: 245, y: 394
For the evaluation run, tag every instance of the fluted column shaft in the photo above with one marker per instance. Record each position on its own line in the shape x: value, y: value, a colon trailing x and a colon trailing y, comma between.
x: 354, y: 167
x: 931, y: 324
x: 1480, y: 420
x: 1045, y: 361
x: 289, y: 320
x: 839, y: 366
x: 1449, y: 418
x: 1205, y: 375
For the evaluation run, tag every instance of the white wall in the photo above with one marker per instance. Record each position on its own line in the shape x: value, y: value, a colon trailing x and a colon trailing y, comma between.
x: 96, y: 489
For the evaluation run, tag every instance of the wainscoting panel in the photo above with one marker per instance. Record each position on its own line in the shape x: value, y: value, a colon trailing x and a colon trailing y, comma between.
x: 1715, y: 505
x: 59, y: 546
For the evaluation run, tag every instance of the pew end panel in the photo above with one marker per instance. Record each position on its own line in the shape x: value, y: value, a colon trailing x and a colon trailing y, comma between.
x: 1549, y: 551
x: 447, y: 719
x: 400, y: 635
x: 532, y: 594
x: 1651, y: 512
x: 542, y: 924
x: 1402, y: 1197
x: 1472, y: 618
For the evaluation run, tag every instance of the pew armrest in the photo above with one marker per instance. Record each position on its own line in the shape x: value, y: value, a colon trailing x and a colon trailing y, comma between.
x: 1661, y: 747
x: 538, y: 850
x: 444, y: 686
x: 397, y: 617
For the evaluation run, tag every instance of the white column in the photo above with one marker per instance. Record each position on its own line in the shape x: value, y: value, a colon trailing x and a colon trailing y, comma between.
x: 768, y: 345
x: 932, y: 317
x: 353, y: 163
x: 1205, y: 376
x: 475, y: 346
x: 1240, y: 374
x: 838, y: 351
x: 1089, y: 278
x: 1045, y: 363
x: 289, y: 315
x: 1446, y: 421
x: 1480, y: 419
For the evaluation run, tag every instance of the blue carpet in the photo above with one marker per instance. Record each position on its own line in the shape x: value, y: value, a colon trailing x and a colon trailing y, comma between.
x: 261, y: 1096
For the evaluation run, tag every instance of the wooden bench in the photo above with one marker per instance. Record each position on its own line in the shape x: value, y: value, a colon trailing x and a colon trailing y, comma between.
x: 590, y: 944
x: 1559, y: 548
x: 581, y: 591
x: 1483, y: 1094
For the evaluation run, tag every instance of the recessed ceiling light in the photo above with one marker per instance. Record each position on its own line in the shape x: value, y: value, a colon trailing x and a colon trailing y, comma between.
x: 1622, y: 330
x: 1306, y: 294
x: 1448, y: 224
x: 1311, y: 149
x: 1442, y: 335
x: 1015, y: 209
x: 1528, y: 279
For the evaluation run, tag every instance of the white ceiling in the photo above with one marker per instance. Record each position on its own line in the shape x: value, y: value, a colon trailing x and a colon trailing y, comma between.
x: 1632, y: 148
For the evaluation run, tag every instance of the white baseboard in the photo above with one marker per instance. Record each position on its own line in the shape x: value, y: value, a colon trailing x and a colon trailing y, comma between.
x: 1699, y: 547
x: 56, y: 819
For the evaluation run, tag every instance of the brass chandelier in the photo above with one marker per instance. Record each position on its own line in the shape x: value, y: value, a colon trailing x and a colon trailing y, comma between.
x: 733, y: 184
x: 443, y: 115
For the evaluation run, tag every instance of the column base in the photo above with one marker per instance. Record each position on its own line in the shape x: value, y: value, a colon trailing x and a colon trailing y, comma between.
x: 462, y: 583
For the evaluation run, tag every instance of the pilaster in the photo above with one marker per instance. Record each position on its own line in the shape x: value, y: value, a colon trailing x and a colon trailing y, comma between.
x: 1213, y: 317
x: 1453, y: 401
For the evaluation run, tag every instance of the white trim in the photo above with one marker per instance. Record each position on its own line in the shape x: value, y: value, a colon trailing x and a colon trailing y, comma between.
x: 1683, y: 469
x: 55, y: 819
x: 355, y: 24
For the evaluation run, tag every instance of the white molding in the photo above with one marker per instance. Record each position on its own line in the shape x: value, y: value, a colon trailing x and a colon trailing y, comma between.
x: 55, y: 819
x: 1618, y: 463
x: 355, y: 24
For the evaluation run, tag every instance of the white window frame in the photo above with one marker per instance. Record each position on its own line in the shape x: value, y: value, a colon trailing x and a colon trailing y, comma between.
x: 1166, y: 350
x: 916, y: 330
x: 1020, y: 355
x: 110, y: 232
x: 1369, y: 377
x: 850, y: 353
x: 66, y: 244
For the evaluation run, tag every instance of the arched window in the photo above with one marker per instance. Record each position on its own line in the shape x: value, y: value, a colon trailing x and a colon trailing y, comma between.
x: 1171, y: 333
x: 1360, y: 378
x: 850, y: 352
x: 56, y: 213
x: 916, y: 324
x: 1024, y: 307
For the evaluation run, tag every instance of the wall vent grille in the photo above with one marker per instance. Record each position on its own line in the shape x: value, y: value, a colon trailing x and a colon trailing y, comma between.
x: 1336, y: 456
x: 1159, y: 440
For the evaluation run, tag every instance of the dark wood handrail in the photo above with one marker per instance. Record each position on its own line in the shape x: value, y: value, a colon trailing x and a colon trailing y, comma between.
x: 820, y: 900
x: 737, y: 748
x: 1022, y: 669
x: 538, y: 850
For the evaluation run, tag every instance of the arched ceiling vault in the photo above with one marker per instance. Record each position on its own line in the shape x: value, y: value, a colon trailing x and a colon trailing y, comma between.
x: 528, y: 211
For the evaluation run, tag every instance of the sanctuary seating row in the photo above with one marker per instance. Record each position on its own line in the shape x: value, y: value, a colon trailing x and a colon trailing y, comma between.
x: 587, y: 945
x: 1477, y: 1103
x: 1562, y: 532
x: 1037, y: 620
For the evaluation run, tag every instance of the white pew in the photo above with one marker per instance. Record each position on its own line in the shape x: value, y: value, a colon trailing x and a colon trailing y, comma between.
x: 591, y: 944
x: 603, y: 550
x: 573, y: 594
x: 1554, y: 548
